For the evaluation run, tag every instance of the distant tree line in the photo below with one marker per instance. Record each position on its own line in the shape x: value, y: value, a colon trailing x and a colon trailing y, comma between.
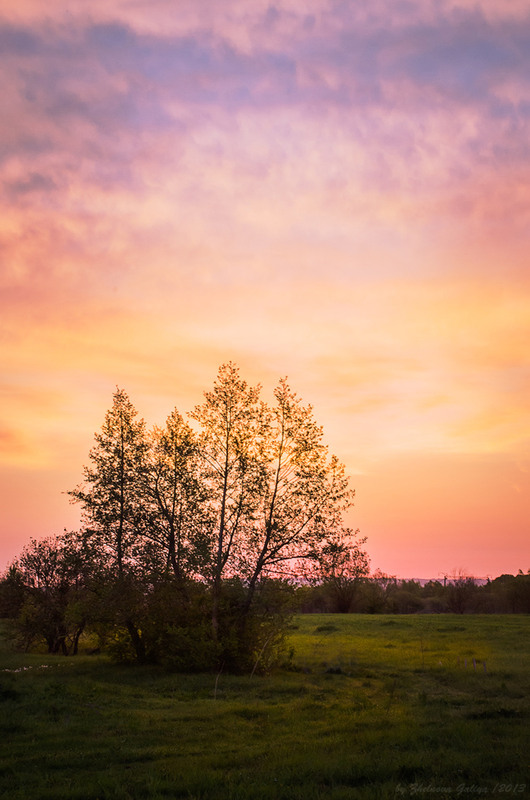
x: 193, y: 535
x: 383, y: 594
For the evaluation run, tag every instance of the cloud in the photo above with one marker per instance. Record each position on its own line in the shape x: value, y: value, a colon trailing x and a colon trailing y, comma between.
x: 34, y: 182
x: 333, y: 191
x: 105, y: 96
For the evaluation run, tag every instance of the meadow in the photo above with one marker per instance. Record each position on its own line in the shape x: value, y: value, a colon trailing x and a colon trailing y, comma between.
x: 368, y: 707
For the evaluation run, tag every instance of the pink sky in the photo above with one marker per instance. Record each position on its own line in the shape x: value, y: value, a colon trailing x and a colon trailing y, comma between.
x: 331, y: 191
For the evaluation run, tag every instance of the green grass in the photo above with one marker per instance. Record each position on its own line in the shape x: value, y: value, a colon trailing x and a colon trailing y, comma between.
x: 374, y: 707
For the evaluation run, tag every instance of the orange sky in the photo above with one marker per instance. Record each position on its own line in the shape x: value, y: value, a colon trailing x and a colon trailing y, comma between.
x: 310, y: 189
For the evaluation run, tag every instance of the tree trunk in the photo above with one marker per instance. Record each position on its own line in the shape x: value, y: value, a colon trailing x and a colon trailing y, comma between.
x: 137, y: 641
x: 77, y: 635
x: 216, y: 591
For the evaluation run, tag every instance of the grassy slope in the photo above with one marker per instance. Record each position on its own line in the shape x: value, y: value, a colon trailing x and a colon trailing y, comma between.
x: 408, y: 713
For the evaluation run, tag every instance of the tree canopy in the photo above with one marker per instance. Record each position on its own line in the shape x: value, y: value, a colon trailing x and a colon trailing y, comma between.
x: 194, y: 532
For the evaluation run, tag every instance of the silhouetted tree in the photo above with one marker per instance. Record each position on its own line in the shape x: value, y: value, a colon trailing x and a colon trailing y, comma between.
x: 193, y: 529
x: 111, y: 500
x: 178, y: 520
x: 303, y: 493
x: 231, y: 430
x: 405, y: 597
x: 341, y: 569
x: 54, y: 576
x: 511, y: 593
x: 12, y: 592
x: 461, y: 590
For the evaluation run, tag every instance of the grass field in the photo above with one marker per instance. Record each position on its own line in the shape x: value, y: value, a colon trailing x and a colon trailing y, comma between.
x: 373, y: 707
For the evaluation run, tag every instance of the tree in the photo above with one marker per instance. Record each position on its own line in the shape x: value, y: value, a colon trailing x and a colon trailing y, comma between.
x: 12, y: 592
x: 54, y: 575
x: 342, y: 568
x: 376, y: 592
x: 231, y: 429
x: 511, y: 593
x: 405, y: 598
x: 109, y: 494
x: 203, y: 524
x: 111, y: 499
x: 276, y: 494
x: 434, y: 594
x: 303, y: 493
x: 461, y: 590
x: 177, y: 516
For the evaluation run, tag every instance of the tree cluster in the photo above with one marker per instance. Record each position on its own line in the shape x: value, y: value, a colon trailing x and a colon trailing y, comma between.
x: 192, y: 533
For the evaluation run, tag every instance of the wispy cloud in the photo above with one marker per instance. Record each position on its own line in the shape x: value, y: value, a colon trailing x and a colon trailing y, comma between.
x: 333, y: 191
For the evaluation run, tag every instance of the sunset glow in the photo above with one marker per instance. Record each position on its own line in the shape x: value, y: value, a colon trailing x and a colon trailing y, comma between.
x: 334, y: 192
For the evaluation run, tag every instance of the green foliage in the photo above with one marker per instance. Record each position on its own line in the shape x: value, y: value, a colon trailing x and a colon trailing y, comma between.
x: 254, y: 639
x: 119, y: 646
x: 174, y: 624
x: 188, y: 649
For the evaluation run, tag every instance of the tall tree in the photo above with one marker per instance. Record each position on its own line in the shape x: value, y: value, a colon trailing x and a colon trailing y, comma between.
x: 111, y: 497
x: 109, y: 494
x: 177, y: 524
x: 231, y: 428
x: 304, y: 492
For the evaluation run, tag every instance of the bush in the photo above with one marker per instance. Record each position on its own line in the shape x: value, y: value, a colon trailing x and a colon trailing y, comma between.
x: 119, y: 646
x: 175, y: 626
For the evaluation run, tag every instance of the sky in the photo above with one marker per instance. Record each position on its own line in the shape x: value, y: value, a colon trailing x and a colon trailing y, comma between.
x: 337, y: 192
